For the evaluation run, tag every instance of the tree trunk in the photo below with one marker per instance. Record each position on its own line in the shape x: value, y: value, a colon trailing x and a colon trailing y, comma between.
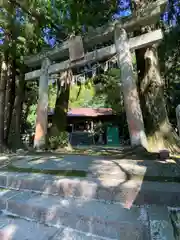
x: 16, y: 122
x: 3, y: 82
x: 151, y: 91
x: 10, y: 98
x: 59, y: 121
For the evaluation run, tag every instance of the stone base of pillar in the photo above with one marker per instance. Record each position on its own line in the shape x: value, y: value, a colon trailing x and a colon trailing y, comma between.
x: 139, y: 140
x: 39, y: 144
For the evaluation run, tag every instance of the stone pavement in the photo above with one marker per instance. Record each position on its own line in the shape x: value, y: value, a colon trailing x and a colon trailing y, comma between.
x: 155, y: 225
x: 107, y: 204
x: 95, y: 217
x: 100, y: 165
x: 107, y: 178
x: 21, y: 229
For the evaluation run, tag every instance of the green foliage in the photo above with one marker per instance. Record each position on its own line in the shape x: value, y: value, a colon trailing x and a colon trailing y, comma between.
x: 75, y: 15
x: 61, y: 140
x: 31, y: 118
x: 108, y: 91
x: 105, y: 93
x: 52, y: 95
x: 80, y: 96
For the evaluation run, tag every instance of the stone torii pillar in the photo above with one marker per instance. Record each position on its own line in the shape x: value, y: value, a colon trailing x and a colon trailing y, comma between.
x: 129, y: 89
x: 42, y: 109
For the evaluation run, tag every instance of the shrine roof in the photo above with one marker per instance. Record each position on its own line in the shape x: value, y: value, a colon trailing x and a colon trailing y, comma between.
x: 87, y: 112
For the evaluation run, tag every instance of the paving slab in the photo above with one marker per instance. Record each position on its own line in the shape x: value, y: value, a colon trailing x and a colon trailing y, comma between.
x: 5, y: 195
x: 126, y: 233
x: 76, y: 162
x: 71, y: 234
x: 175, y: 217
x: 95, y: 165
x: 85, y: 215
x: 29, y: 181
x: 20, y: 229
x: 160, y: 223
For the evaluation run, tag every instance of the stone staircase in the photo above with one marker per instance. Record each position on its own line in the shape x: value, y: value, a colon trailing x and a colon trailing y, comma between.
x: 82, y: 208
x: 20, y: 229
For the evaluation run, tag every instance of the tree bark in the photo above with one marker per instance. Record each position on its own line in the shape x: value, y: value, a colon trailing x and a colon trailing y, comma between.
x: 16, y: 122
x: 151, y: 91
x: 3, y: 82
x: 10, y: 98
x: 59, y: 120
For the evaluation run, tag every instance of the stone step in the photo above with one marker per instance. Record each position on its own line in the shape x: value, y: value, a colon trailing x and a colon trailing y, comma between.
x: 113, y: 190
x: 160, y: 223
x: 98, y: 218
x: 21, y: 229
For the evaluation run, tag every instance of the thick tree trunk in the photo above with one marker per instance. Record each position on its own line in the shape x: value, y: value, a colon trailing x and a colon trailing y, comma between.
x: 3, y: 82
x: 16, y: 122
x: 10, y: 98
x: 151, y: 91
x: 59, y: 121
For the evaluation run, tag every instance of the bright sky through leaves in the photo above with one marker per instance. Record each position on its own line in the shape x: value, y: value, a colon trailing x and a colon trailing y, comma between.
x: 123, y: 10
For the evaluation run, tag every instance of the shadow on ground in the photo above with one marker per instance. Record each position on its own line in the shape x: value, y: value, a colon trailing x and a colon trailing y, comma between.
x: 156, y: 182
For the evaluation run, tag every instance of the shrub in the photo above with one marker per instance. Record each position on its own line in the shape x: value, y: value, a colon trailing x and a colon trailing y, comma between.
x: 61, y: 140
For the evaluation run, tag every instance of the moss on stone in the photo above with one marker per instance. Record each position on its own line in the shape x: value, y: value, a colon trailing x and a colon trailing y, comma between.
x: 67, y: 173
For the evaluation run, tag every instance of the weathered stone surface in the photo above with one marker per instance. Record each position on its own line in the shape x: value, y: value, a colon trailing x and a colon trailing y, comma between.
x: 174, y: 215
x: 19, y: 229
x: 81, y: 214
x: 6, y: 195
x: 3, y: 179
x: 19, y: 204
x: 99, y: 54
x: 3, y: 221
x: 42, y: 108
x: 100, y: 167
x: 128, y: 192
x: 126, y: 232
x: 160, y: 224
x: 129, y: 89
x: 70, y: 234
x: 106, y: 185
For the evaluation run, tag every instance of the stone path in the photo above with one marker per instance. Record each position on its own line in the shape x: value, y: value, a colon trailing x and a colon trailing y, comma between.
x: 20, y: 229
x: 139, y: 223
x: 92, y: 216
x: 96, y: 165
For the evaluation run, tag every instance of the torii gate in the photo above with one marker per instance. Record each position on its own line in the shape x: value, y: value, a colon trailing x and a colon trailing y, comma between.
x: 122, y: 48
